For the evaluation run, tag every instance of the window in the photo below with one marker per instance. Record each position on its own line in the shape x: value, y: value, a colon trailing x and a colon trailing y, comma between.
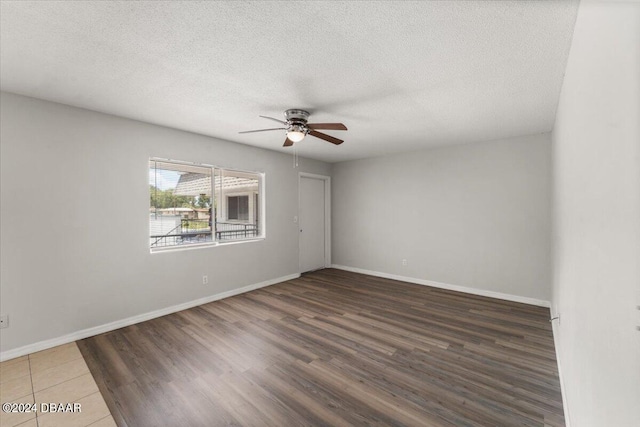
x: 194, y: 204
x: 238, y: 207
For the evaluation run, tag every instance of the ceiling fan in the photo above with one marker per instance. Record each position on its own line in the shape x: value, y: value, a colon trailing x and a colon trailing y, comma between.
x: 297, y: 127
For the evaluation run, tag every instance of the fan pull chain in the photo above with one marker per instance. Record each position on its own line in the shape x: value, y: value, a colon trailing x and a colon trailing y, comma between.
x: 295, y: 157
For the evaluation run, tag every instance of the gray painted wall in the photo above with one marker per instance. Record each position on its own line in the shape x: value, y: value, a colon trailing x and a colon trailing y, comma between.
x: 475, y: 215
x: 596, y: 151
x: 74, y: 220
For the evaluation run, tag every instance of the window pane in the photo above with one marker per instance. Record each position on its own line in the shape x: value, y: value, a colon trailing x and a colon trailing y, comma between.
x: 180, y: 204
x: 243, y: 208
x: 237, y: 198
x: 232, y: 207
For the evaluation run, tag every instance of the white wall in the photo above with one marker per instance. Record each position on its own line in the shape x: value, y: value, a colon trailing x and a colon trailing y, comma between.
x: 74, y: 220
x: 475, y: 215
x: 596, y: 152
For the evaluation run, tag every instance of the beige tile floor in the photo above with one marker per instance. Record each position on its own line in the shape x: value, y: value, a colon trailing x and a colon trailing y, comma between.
x: 58, y: 375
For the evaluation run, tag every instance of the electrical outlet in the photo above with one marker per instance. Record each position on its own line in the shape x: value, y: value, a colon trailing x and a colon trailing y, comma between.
x: 4, y: 321
x: 205, y: 279
x: 404, y: 263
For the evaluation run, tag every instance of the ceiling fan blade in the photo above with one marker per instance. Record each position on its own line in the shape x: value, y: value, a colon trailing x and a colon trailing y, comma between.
x: 332, y: 126
x: 325, y: 137
x: 261, y: 130
x: 271, y: 118
x: 288, y: 143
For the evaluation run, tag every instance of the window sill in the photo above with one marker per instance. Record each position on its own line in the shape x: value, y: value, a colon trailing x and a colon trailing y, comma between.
x: 180, y: 248
x: 235, y: 242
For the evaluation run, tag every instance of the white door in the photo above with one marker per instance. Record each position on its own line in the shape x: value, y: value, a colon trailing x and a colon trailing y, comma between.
x: 312, y: 223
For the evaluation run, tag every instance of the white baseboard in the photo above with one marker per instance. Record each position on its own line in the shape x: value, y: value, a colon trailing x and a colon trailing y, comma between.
x: 467, y: 290
x: 75, y: 336
x: 565, y: 406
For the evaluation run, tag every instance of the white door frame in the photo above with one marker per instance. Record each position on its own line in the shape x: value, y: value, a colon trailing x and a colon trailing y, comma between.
x: 327, y: 215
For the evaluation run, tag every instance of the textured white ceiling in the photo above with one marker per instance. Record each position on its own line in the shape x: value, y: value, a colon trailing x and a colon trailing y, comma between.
x: 400, y: 75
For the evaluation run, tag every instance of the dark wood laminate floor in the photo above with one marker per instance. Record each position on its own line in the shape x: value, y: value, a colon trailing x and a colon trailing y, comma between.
x: 334, y: 348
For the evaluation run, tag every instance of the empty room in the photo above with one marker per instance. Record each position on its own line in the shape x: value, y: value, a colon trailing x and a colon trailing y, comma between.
x: 320, y: 213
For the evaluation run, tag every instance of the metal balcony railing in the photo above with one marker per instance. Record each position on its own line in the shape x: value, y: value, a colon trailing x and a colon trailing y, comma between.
x: 234, y: 231
x: 199, y: 231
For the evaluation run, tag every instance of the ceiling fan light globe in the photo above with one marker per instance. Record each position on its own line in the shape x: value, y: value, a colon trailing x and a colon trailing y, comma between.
x: 295, y: 136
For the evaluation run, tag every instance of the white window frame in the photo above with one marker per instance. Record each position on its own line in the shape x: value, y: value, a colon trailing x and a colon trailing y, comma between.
x: 214, y: 242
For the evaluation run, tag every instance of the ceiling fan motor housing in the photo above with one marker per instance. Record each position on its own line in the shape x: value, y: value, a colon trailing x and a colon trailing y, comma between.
x: 294, y: 115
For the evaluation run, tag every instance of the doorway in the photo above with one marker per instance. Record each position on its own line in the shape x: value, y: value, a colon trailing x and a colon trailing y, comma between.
x: 314, y: 222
